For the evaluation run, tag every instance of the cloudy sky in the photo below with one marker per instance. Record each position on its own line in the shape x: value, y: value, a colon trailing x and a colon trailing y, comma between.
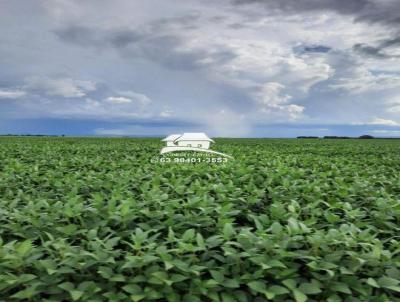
x: 269, y: 68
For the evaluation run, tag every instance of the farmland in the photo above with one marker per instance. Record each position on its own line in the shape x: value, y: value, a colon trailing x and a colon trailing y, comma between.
x: 93, y: 219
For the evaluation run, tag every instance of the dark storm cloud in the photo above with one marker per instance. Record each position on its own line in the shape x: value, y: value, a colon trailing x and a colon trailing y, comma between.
x: 165, y: 51
x: 373, y: 11
x: 391, y: 42
x: 318, y: 48
x: 369, y: 51
x: 186, y: 21
x: 153, y: 43
x: 237, y: 26
x: 169, y: 51
x: 341, y: 6
x: 93, y: 37
x: 381, y: 12
x: 378, y: 51
x: 311, y: 49
x: 123, y: 38
x: 80, y: 35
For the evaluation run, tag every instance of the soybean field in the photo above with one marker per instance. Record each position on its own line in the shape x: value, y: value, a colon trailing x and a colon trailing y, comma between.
x: 95, y: 219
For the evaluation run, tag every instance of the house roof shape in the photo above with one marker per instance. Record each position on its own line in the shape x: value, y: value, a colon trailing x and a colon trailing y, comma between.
x: 171, y: 138
x: 190, y: 136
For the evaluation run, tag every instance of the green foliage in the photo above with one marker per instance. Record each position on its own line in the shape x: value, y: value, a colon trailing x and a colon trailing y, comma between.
x: 86, y: 219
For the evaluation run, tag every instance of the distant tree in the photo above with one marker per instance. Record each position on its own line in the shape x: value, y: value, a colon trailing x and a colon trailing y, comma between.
x: 336, y: 137
x: 307, y: 137
x: 365, y: 136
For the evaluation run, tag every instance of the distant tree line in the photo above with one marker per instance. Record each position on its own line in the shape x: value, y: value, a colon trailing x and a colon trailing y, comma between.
x: 307, y: 137
x: 41, y: 135
x: 338, y: 137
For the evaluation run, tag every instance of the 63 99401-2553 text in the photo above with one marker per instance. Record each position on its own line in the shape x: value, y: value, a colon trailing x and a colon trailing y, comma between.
x: 211, y: 160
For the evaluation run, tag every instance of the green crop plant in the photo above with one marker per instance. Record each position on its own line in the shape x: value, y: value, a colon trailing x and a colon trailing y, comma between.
x: 91, y: 219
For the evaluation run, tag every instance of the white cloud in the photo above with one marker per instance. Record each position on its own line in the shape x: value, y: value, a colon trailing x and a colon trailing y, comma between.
x: 378, y: 121
x: 393, y: 105
x: 11, y: 94
x: 381, y: 121
x: 361, y: 80
x: 294, y: 111
x: 166, y: 113
x: 271, y: 95
x: 129, y: 97
x: 394, y: 109
x: 136, y: 97
x: 266, y: 69
x: 63, y: 87
x: 118, y: 100
x: 274, y: 102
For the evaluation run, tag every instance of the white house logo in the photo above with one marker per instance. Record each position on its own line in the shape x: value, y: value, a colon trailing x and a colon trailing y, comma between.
x: 198, y: 142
